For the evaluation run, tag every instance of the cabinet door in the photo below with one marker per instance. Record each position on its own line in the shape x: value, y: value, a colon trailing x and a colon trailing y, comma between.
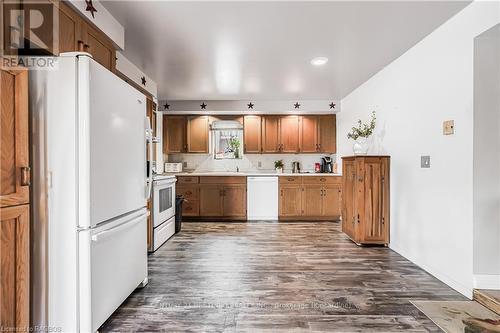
x: 14, y: 160
x: 69, y: 29
x: 328, y: 134
x: 191, y: 194
x: 309, y: 134
x: 235, y: 200
x: 99, y: 46
x: 290, y: 203
x: 14, y: 269
x: 174, y: 134
x: 289, y: 134
x: 270, y: 134
x: 211, y: 200
x: 311, y: 200
x: 373, y: 218
x: 252, y: 134
x: 197, y: 134
x: 332, y: 195
x: 349, y: 220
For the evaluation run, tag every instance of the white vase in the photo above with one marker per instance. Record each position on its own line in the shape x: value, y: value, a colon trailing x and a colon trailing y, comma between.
x: 360, y: 146
x: 279, y: 170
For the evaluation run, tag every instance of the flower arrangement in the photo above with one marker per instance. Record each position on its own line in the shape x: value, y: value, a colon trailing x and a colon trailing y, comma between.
x: 363, y: 130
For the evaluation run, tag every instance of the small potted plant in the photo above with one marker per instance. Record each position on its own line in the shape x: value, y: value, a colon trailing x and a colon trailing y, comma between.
x: 278, y: 165
x: 234, y: 142
x: 360, y: 135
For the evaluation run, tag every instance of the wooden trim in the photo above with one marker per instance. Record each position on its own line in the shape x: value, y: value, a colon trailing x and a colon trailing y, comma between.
x: 132, y: 83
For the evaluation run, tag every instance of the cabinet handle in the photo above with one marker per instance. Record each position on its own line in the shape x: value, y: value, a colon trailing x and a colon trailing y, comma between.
x: 189, y: 208
x: 86, y: 48
x: 358, y: 219
x: 322, y: 179
x: 281, y: 192
x: 80, y: 45
x: 319, y: 146
x: 25, y: 176
x: 189, y: 193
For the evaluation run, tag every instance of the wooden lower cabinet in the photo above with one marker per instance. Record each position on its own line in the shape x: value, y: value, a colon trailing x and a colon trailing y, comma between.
x: 310, y: 198
x: 14, y: 267
x: 216, y: 197
x: 365, y: 206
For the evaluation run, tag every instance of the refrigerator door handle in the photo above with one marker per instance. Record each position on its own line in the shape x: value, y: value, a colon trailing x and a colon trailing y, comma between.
x: 149, y: 143
x: 124, y: 226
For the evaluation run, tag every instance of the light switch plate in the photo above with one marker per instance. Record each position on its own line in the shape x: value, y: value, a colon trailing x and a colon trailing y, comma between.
x: 448, y: 127
x: 425, y: 162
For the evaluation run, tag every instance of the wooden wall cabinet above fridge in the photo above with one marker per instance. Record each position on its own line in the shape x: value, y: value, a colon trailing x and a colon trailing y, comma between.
x: 366, y: 201
x: 290, y: 134
x: 76, y: 34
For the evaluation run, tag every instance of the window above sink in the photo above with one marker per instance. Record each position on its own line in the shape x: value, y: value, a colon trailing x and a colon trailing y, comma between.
x: 227, y: 138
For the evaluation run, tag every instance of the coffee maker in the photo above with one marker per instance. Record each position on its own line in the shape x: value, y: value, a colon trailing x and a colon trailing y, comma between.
x: 326, y: 164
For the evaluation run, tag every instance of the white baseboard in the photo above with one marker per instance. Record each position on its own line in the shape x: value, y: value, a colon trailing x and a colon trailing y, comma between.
x: 484, y: 281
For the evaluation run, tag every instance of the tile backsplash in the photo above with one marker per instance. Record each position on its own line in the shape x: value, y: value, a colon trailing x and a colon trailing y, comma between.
x: 249, y: 162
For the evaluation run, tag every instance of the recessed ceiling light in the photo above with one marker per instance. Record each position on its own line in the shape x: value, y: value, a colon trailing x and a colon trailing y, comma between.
x: 319, y: 61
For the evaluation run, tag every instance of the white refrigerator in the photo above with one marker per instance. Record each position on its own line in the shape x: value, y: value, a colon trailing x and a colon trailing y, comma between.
x: 90, y: 190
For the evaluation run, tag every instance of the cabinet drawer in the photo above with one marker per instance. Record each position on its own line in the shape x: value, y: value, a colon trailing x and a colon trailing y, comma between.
x: 223, y: 180
x: 322, y: 180
x: 188, y: 180
x: 191, y: 208
x: 189, y: 193
x: 290, y: 180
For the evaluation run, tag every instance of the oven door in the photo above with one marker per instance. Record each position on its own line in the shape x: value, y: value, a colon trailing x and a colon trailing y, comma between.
x: 163, y: 201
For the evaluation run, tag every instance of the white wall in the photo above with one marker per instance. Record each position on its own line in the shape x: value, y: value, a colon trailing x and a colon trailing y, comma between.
x: 431, y: 209
x: 487, y: 159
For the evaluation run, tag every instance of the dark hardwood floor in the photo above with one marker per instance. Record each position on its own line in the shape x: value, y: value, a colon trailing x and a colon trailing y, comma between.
x: 270, y: 276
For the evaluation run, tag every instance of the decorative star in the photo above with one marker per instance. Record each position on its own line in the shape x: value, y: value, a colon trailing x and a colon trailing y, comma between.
x: 143, y: 80
x: 297, y: 105
x: 250, y: 105
x: 203, y: 106
x: 332, y: 105
x: 166, y: 106
x: 90, y: 7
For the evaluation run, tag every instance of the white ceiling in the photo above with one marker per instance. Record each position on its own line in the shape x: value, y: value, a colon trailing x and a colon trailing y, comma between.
x: 262, y: 50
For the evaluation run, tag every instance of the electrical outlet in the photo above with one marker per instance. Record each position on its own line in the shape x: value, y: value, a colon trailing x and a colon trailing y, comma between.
x: 185, y: 165
x: 448, y: 127
x: 425, y: 162
x: 259, y: 164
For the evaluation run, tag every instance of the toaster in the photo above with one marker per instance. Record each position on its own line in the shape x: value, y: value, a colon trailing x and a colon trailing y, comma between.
x: 173, y: 167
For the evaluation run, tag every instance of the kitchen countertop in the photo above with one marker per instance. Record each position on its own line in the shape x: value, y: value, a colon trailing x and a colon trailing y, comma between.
x: 250, y: 173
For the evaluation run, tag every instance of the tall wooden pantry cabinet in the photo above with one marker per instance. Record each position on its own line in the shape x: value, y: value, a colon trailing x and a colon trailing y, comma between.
x: 366, y: 200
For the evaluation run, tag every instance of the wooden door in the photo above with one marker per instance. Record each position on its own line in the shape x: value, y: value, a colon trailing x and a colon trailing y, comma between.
x: 290, y: 201
x: 14, y: 155
x: 270, y: 134
x: 99, y: 46
x: 349, y: 198
x: 235, y: 200
x: 309, y: 134
x: 327, y: 134
x: 372, y: 214
x: 311, y: 200
x: 197, y: 134
x: 252, y: 134
x: 289, y: 134
x: 14, y: 267
x: 70, y: 25
x: 331, y: 201
x: 174, y: 134
x: 211, y: 203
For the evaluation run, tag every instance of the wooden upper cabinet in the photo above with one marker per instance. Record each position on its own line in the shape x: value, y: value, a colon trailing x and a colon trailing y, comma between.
x: 309, y: 134
x: 235, y: 200
x: 99, y: 46
x: 289, y: 134
x: 14, y: 269
x: 70, y: 25
x: 270, y: 134
x: 252, y: 134
x: 328, y: 134
x: 14, y: 159
x: 174, y: 134
x: 197, y: 134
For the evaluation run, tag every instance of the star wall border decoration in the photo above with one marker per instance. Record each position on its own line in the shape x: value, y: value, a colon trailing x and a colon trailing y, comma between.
x: 166, y: 106
x: 203, y: 106
x: 332, y: 105
x: 297, y: 105
x: 90, y: 8
x: 250, y: 105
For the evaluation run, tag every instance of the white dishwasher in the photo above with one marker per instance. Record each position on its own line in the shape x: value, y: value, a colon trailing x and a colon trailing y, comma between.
x: 262, y: 198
